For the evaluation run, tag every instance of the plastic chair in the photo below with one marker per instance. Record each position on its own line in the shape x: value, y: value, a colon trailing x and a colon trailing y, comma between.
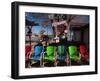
x: 50, y: 54
x: 62, y: 55
x: 37, y: 54
x: 84, y: 53
x: 27, y: 54
x: 74, y: 55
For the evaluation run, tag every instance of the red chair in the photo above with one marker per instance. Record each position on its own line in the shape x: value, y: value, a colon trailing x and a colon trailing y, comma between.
x: 84, y: 53
x: 27, y: 53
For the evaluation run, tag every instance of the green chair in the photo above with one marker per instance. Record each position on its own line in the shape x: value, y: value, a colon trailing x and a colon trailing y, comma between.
x: 50, y: 56
x: 73, y: 53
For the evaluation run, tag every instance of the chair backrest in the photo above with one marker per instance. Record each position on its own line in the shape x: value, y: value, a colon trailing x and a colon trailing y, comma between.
x: 27, y: 49
x: 61, y: 50
x: 38, y: 50
x: 50, y: 50
x: 83, y: 49
x: 72, y: 51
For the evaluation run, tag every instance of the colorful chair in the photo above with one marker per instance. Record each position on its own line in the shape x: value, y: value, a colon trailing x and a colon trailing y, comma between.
x: 84, y: 53
x: 74, y: 55
x: 37, y: 55
x: 62, y: 55
x: 50, y: 55
x: 37, y: 52
x: 27, y: 54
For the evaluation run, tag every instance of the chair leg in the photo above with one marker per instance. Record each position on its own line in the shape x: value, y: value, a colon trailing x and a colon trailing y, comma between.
x: 42, y: 60
x: 55, y: 63
x: 68, y: 60
x: 29, y: 65
x: 41, y: 57
x: 40, y: 63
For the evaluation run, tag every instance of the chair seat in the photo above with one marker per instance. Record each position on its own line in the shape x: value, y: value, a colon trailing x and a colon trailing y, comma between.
x: 75, y: 58
x: 35, y: 58
x: 62, y: 58
x: 50, y: 58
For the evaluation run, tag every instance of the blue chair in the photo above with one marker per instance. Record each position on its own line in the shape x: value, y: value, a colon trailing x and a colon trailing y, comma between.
x: 37, y: 55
